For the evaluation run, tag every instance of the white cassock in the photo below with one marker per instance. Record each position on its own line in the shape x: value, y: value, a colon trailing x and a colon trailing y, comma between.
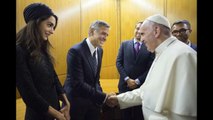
x: 170, y: 89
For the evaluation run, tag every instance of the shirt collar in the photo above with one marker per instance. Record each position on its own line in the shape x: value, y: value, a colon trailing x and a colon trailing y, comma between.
x: 91, y: 47
x: 164, y: 45
x: 137, y: 41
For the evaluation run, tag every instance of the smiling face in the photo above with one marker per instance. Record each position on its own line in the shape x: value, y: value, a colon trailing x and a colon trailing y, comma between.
x: 100, y: 36
x: 47, y: 27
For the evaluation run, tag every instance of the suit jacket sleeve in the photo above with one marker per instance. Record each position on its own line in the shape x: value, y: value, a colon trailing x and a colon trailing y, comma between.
x: 120, y: 61
x: 76, y: 77
x: 142, y: 78
x: 24, y: 83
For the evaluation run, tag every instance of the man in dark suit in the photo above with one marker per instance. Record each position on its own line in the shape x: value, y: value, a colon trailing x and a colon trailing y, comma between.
x: 82, y: 84
x: 181, y: 29
x: 133, y: 63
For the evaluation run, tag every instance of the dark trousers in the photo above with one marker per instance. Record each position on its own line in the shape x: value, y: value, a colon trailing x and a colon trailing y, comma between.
x: 84, y: 111
x: 109, y: 113
x: 132, y: 113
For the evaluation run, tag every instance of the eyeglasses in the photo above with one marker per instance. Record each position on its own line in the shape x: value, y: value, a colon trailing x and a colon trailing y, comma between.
x: 181, y: 31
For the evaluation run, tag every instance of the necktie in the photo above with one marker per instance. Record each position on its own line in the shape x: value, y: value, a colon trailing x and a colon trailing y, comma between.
x: 95, y: 61
x: 137, y: 45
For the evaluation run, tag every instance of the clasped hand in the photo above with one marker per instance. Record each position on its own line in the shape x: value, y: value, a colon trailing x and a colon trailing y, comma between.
x: 112, y: 100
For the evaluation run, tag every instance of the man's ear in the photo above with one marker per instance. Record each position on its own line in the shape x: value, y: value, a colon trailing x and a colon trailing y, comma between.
x: 190, y: 31
x: 157, y: 31
x: 91, y: 32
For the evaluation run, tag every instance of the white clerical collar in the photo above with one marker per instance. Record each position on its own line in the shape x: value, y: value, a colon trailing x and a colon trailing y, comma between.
x: 91, y: 47
x: 137, y: 41
x: 164, y: 45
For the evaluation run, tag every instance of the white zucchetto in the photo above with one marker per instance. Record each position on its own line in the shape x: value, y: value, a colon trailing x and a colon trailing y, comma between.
x: 160, y: 19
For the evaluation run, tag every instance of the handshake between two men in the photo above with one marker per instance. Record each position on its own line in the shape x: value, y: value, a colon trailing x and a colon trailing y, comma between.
x: 112, y: 100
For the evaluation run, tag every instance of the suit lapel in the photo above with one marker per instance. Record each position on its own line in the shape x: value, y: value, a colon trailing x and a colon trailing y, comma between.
x: 88, y: 56
x: 131, y: 48
x: 142, y: 49
x: 99, y: 60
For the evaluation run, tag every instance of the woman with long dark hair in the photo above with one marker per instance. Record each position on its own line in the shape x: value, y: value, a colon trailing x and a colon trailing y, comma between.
x: 36, y: 78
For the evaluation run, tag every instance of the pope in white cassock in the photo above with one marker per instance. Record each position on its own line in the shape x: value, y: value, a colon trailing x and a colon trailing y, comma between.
x: 170, y: 89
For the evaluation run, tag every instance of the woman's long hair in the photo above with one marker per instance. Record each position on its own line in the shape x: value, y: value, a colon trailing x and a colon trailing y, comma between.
x: 30, y: 39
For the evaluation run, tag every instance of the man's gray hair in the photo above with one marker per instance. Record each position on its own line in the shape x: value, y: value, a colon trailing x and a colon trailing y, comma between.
x: 97, y: 24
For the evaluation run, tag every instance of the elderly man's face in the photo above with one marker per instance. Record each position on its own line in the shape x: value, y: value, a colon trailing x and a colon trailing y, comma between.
x: 147, y: 35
